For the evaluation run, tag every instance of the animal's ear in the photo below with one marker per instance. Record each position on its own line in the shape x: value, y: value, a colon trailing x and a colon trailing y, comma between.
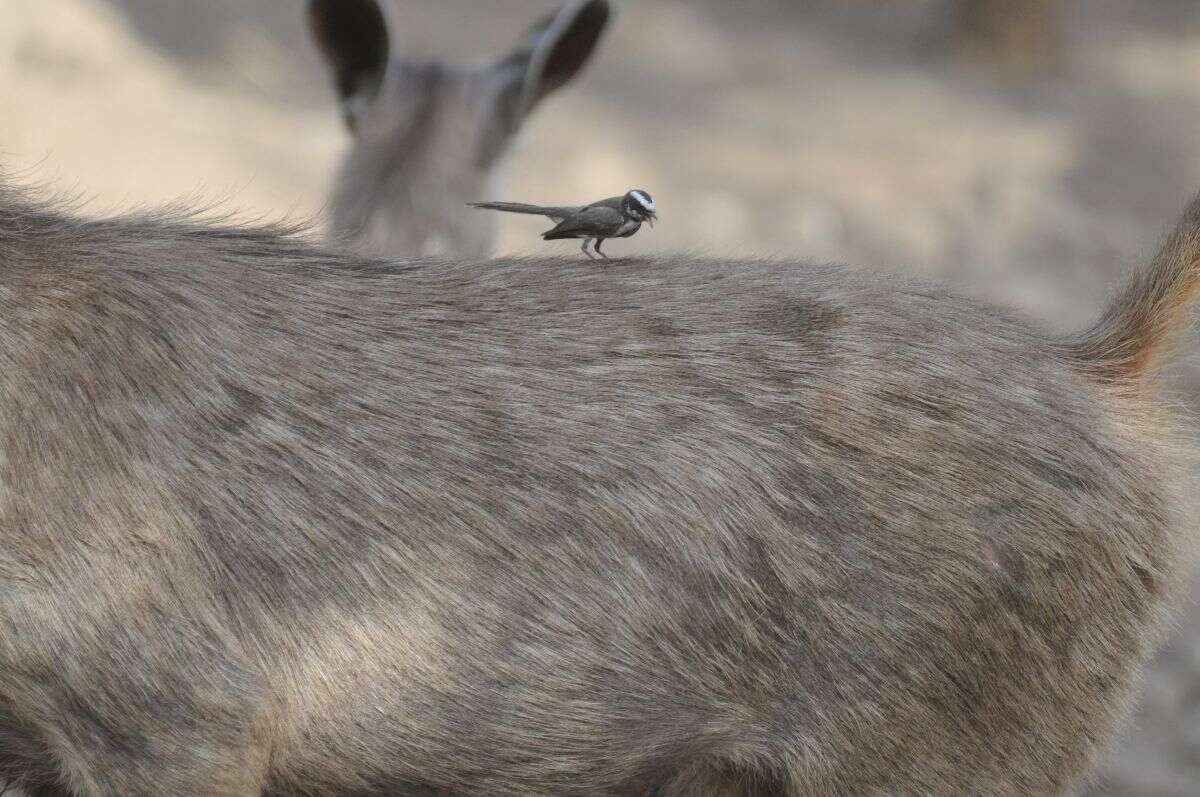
x: 354, y: 37
x: 552, y: 54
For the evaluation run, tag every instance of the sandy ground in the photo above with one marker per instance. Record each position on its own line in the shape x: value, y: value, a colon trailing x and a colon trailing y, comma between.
x: 829, y: 130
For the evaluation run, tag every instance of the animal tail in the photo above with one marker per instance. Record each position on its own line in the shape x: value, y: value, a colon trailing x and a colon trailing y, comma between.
x: 1142, y: 322
x: 513, y: 207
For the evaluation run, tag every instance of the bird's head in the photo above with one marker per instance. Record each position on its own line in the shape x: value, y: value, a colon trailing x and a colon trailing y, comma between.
x: 638, y: 205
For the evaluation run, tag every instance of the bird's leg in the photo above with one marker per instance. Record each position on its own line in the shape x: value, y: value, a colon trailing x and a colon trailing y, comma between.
x: 587, y: 241
x: 597, y: 248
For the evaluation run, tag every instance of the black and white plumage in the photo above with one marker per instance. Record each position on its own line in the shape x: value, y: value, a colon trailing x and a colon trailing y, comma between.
x: 615, y: 217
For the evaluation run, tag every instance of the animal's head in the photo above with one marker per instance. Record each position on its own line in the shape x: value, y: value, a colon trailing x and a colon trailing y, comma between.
x: 427, y: 135
x: 637, y: 204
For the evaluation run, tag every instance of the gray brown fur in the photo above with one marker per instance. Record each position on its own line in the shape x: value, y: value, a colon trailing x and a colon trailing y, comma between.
x: 427, y: 136
x: 280, y: 521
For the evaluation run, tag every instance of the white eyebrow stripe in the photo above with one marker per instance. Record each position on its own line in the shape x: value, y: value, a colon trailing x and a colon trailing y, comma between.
x: 644, y: 200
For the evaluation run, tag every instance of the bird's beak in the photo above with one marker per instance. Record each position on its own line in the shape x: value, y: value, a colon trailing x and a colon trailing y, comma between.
x: 651, y: 218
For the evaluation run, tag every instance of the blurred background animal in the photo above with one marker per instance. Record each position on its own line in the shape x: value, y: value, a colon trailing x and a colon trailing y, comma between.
x: 426, y: 135
x: 1021, y: 36
x: 843, y: 130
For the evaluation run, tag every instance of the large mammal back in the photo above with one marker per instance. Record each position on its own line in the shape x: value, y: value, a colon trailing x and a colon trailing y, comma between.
x: 533, y: 527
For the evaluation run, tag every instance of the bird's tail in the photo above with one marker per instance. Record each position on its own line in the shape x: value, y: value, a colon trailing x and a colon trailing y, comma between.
x: 513, y: 207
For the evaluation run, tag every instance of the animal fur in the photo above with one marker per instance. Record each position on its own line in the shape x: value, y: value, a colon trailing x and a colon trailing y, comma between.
x: 280, y: 521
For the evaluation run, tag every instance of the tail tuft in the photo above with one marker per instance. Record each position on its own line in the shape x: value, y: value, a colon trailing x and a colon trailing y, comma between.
x: 1138, y: 328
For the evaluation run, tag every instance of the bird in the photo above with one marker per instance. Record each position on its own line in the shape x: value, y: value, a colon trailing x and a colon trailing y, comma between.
x: 615, y: 217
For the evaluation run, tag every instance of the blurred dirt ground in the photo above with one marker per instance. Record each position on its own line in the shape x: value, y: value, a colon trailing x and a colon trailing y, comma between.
x: 828, y: 130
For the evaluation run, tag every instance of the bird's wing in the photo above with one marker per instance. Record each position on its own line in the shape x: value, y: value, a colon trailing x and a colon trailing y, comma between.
x: 614, y: 202
x: 560, y: 213
x: 593, y: 221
